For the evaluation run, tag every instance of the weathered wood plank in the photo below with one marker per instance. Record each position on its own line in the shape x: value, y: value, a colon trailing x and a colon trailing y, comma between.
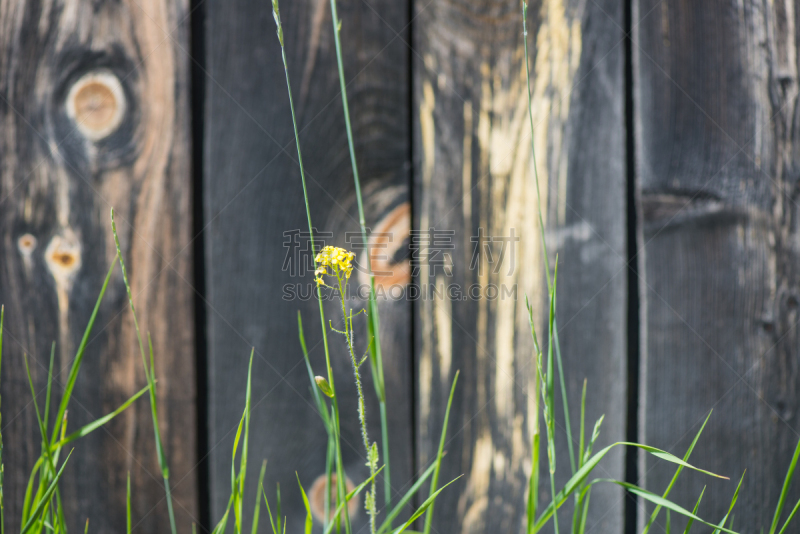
x: 716, y: 87
x: 94, y: 106
x: 254, y: 202
x: 474, y: 177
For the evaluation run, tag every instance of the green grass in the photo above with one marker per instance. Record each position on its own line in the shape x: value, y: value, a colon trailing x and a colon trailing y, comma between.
x: 580, y: 484
x: 43, y: 511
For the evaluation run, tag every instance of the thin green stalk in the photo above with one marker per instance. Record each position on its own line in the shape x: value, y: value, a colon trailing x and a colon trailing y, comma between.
x: 330, y: 459
x: 2, y: 468
x: 549, y: 400
x: 149, y: 372
x: 373, y: 320
x: 577, y: 516
x: 721, y: 524
x: 533, y: 482
x: 439, y: 454
x: 370, y: 450
x: 340, y: 477
x: 257, y: 509
x: 239, y: 508
x: 565, y: 403
x: 128, y: 506
x: 327, y: 420
x: 49, y: 386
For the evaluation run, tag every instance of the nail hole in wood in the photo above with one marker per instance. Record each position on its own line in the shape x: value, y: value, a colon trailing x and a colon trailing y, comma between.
x: 316, y: 497
x: 96, y: 104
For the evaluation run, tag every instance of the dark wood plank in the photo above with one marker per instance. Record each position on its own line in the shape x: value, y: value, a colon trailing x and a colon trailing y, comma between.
x: 253, y: 201
x: 94, y: 106
x: 474, y: 174
x: 717, y: 169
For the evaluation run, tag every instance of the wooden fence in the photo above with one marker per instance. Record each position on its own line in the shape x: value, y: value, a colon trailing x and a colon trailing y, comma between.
x: 666, y: 135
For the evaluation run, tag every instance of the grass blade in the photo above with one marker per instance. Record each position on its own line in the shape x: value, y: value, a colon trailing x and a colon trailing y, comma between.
x: 309, y: 518
x: 342, y: 505
x: 94, y: 425
x: 785, y: 490
x: 49, y: 386
x: 269, y: 511
x: 533, y: 481
x: 238, y: 509
x: 149, y: 372
x: 583, y: 420
x: 730, y: 509
x: 76, y: 363
x: 791, y: 516
x: 582, y: 474
x: 257, y: 509
x: 407, y: 497
x: 567, y: 422
x: 677, y: 473
x: 45, y: 498
x: 128, y: 506
x: 658, y: 500
x: 423, y: 507
x: 549, y: 399
x: 694, y: 511
x: 373, y: 320
x: 435, y: 479
x: 340, y: 477
x: 577, y: 515
x: 2, y: 468
x: 318, y: 401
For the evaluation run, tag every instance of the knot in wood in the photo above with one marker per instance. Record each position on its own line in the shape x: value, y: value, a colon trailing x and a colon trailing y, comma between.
x: 316, y: 497
x: 96, y: 104
x: 63, y: 257
x: 26, y: 244
x: 389, y: 249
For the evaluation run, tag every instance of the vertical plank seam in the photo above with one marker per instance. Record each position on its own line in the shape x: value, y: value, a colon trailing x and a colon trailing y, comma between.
x: 412, y: 307
x: 197, y: 97
x: 632, y: 319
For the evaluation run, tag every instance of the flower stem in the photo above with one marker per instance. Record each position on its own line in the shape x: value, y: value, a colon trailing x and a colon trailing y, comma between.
x: 373, y: 321
x: 362, y: 416
x: 340, y: 476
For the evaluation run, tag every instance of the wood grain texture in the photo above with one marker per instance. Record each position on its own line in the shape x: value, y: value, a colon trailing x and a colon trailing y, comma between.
x: 253, y: 196
x: 94, y: 107
x: 717, y: 87
x: 474, y: 175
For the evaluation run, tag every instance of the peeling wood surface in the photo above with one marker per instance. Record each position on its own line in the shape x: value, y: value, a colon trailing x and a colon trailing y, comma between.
x: 94, y: 105
x: 716, y: 119
x: 253, y: 197
x: 473, y: 176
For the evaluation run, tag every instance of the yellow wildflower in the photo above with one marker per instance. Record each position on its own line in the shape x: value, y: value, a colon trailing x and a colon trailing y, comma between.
x: 338, y: 259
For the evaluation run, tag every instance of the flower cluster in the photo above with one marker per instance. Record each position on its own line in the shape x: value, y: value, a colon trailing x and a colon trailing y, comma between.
x: 338, y: 260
